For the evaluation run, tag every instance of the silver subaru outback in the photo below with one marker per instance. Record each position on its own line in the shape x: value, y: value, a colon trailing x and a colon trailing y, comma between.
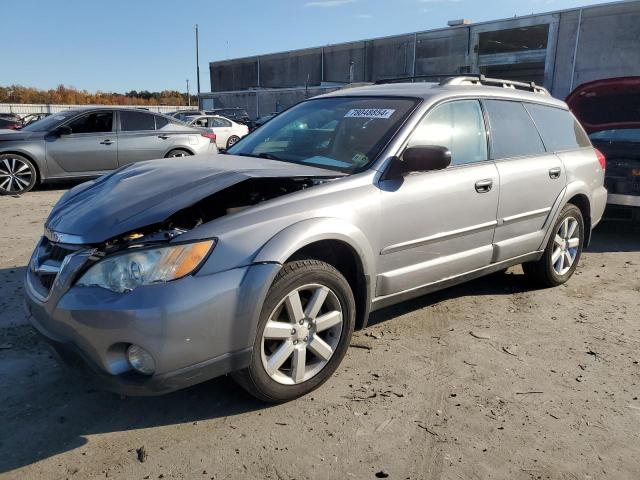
x: 261, y: 262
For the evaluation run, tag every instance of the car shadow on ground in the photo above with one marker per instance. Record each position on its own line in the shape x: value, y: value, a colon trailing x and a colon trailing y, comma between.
x: 45, y: 411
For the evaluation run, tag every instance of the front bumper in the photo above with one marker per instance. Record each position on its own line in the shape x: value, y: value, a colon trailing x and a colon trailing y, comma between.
x: 196, y: 328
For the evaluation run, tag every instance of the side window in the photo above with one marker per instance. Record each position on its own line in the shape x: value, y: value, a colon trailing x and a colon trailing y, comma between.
x: 457, y: 125
x: 132, y: 121
x: 201, y: 122
x: 559, y: 130
x: 513, y: 133
x: 225, y: 122
x: 96, y: 122
x: 218, y: 123
x: 161, y: 122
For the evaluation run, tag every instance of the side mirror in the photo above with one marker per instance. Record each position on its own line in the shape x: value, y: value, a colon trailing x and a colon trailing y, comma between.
x: 63, y: 130
x: 425, y: 158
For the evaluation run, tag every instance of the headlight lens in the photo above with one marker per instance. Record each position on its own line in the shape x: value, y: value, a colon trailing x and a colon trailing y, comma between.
x: 143, y: 267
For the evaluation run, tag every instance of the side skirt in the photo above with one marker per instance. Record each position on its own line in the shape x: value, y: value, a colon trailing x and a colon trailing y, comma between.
x: 381, y: 302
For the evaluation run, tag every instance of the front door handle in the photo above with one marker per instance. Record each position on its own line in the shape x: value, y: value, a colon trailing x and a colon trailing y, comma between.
x: 484, y: 186
x: 554, y: 172
x: 164, y: 137
x: 106, y: 142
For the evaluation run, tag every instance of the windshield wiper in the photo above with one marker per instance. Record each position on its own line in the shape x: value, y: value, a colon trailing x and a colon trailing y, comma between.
x: 269, y: 156
x: 265, y: 155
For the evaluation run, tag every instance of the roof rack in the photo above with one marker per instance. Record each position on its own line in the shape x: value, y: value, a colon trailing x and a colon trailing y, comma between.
x: 413, y: 79
x: 479, y: 79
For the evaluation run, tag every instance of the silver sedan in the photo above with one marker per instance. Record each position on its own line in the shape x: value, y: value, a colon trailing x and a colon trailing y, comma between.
x: 89, y: 142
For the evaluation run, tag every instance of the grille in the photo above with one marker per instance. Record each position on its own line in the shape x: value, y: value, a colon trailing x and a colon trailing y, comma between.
x: 50, y: 255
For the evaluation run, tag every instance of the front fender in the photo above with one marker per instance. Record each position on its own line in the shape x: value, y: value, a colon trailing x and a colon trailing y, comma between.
x: 288, y: 241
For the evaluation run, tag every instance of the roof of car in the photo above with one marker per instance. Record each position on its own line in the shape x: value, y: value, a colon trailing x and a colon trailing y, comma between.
x: 428, y: 90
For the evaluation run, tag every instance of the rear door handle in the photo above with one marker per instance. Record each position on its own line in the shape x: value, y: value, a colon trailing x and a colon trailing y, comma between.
x: 164, y: 137
x: 106, y: 142
x: 555, y: 172
x: 484, y: 186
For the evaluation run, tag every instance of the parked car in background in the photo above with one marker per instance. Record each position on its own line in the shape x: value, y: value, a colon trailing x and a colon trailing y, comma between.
x: 33, y: 117
x: 264, y: 119
x: 182, y: 114
x: 11, y: 116
x: 90, y: 142
x: 262, y: 261
x: 609, y: 110
x: 238, y: 115
x: 227, y: 131
x: 9, y: 123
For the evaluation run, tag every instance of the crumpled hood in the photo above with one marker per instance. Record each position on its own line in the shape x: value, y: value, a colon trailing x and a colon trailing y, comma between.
x: 612, y: 103
x: 148, y: 193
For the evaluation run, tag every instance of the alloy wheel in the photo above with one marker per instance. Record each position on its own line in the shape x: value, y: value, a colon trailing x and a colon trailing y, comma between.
x: 301, y: 334
x: 15, y: 175
x: 565, y: 246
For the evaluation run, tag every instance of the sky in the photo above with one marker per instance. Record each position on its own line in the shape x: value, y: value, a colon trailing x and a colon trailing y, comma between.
x: 122, y: 45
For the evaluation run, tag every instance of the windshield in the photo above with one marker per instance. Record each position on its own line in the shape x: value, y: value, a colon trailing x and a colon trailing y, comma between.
x: 340, y: 133
x: 50, y: 122
x: 622, y: 135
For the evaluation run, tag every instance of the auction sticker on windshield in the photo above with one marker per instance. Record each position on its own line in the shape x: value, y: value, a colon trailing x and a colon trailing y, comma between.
x: 369, y: 113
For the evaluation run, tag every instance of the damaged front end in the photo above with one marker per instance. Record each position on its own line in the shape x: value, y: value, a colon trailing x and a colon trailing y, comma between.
x: 126, y: 246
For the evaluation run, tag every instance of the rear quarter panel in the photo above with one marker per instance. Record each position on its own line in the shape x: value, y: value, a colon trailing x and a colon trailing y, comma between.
x: 585, y: 176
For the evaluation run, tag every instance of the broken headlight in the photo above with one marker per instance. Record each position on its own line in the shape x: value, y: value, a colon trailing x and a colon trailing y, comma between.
x: 125, y: 272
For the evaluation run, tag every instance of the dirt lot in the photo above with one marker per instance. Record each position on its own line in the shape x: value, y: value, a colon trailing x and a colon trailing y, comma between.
x: 487, y: 380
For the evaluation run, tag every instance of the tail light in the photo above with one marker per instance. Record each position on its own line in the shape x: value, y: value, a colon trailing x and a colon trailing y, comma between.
x: 210, y: 136
x: 602, y: 159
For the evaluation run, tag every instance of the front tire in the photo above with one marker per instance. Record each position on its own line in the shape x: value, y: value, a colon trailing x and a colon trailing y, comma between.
x: 562, y: 254
x: 18, y: 174
x: 304, y: 331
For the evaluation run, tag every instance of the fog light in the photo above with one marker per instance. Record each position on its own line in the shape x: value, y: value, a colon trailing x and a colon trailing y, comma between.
x: 140, y: 360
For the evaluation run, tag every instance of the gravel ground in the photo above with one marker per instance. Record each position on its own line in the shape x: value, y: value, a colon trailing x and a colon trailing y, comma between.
x: 492, y: 379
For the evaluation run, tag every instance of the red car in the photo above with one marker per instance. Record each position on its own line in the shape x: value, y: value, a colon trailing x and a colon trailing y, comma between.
x: 609, y: 110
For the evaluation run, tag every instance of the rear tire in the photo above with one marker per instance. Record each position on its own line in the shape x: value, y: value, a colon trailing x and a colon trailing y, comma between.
x: 178, y: 152
x: 303, y: 333
x: 562, y: 254
x: 233, y: 139
x: 18, y: 174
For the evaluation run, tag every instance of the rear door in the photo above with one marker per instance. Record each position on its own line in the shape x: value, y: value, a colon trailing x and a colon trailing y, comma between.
x: 222, y: 128
x: 138, y: 138
x: 92, y: 145
x: 440, y: 224
x: 531, y: 179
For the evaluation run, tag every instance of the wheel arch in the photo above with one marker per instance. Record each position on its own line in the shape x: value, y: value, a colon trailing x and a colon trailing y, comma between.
x: 581, y: 201
x: 190, y: 151
x: 334, y: 241
x: 29, y: 157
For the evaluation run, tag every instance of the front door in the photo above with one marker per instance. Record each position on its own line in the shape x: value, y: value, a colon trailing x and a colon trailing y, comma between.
x: 92, y: 145
x: 440, y: 224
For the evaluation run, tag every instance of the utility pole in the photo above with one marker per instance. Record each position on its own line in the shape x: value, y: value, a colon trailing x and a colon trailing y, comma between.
x: 188, y: 94
x: 198, y: 62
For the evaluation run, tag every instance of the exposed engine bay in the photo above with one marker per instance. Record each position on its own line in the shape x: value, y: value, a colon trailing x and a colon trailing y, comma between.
x: 228, y: 201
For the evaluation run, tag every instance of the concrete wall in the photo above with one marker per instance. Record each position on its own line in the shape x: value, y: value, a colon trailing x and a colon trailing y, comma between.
x: 608, y: 45
x: 261, y: 102
x: 27, y: 108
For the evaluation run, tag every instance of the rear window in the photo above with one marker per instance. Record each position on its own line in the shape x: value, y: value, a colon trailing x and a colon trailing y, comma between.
x: 513, y: 133
x: 136, y: 121
x: 559, y: 130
